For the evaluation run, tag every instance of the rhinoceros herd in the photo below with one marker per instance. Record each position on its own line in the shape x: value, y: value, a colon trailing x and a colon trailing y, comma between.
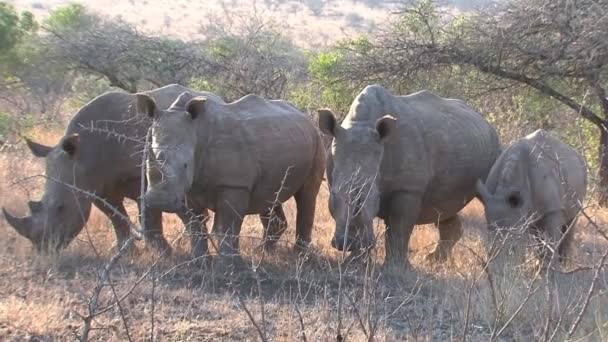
x: 408, y: 160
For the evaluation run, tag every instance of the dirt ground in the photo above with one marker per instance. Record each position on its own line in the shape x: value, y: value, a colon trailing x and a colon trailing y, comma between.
x: 317, y: 296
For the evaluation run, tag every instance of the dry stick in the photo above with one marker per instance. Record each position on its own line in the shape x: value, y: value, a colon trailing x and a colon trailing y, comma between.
x: 94, y: 301
x: 120, y: 308
x: 596, y: 276
x: 520, y: 307
x: 358, y: 314
x: 153, y: 275
x: 467, y: 311
x: 255, y: 324
x: 302, y: 328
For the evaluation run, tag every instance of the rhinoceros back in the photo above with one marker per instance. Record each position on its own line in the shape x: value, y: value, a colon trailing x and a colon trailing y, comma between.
x: 439, y: 150
x: 112, y: 135
x: 268, y: 147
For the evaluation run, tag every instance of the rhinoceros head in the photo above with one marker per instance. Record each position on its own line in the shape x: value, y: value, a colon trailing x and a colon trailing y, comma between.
x: 507, y: 207
x: 61, y: 214
x: 171, y: 158
x: 356, y: 156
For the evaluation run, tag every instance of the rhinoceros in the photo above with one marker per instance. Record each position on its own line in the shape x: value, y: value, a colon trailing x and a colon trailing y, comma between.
x: 100, y: 153
x: 409, y: 160
x: 241, y: 158
x: 538, y: 181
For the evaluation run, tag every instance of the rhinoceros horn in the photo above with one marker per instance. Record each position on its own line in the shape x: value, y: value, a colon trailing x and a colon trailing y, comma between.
x: 37, y: 149
x: 23, y: 225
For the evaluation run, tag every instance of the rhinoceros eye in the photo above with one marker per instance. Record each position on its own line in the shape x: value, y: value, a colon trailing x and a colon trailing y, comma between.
x: 515, y: 200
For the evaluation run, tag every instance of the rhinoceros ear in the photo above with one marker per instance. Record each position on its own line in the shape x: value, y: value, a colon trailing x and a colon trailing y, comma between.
x: 69, y: 144
x: 146, y: 105
x: 327, y: 122
x: 196, y: 106
x: 37, y: 149
x: 482, y: 191
x: 385, y: 126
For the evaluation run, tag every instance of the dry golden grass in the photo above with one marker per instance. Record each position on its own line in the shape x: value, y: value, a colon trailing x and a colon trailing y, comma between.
x: 184, y: 19
x: 42, y: 296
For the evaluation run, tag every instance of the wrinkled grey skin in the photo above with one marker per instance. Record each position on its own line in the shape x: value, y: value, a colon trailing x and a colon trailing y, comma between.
x: 540, y: 181
x: 407, y: 159
x: 241, y: 158
x: 92, y: 160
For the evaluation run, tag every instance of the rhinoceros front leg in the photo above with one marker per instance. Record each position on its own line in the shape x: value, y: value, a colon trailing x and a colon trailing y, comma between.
x: 450, y: 231
x: 153, y: 229
x: 195, y: 222
x: 275, y: 224
x: 400, y: 218
x: 114, y: 209
x: 551, y: 226
x: 230, y: 211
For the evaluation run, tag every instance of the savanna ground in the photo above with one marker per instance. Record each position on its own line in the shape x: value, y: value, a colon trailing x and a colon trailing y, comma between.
x: 284, y: 296
x: 318, y: 296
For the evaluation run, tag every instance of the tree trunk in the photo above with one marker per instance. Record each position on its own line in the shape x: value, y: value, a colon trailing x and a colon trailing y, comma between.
x: 602, y: 191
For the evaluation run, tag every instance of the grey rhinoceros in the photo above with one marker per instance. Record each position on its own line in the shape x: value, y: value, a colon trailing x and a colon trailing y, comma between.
x: 100, y: 153
x: 409, y: 160
x: 240, y: 158
x: 539, y: 181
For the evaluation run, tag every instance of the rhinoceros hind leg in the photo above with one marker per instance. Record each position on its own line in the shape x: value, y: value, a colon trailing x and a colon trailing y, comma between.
x: 306, y: 201
x: 402, y: 212
x: 450, y: 231
x: 274, y: 223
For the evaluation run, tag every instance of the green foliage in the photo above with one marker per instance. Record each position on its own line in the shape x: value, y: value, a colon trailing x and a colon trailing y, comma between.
x: 68, y: 17
x: 13, y: 27
x: 9, y: 27
x: 325, y: 88
x: 5, y: 124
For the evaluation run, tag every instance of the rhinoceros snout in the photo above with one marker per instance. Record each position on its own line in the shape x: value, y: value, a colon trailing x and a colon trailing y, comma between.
x: 349, y: 245
x: 163, y: 201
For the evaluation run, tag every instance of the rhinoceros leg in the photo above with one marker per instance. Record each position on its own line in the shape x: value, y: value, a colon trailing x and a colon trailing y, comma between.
x: 117, y: 215
x: 275, y: 224
x: 552, y: 226
x: 402, y: 210
x: 230, y: 210
x: 565, y: 248
x: 195, y: 222
x: 153, y: 229
x: 306, y: 201
x: 450, y: 231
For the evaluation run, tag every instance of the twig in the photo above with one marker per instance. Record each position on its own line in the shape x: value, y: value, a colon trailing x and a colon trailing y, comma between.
x: 255, y: 324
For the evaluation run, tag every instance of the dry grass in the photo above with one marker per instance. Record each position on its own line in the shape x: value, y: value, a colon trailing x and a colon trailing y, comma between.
x: 43, y: 297
x: 184, y: 19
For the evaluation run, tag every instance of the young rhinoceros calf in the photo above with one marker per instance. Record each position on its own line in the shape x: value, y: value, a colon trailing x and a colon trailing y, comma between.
x: 409, y: 160
x: 100, y: 153
x: 539, y: 181
x: 241, y: 158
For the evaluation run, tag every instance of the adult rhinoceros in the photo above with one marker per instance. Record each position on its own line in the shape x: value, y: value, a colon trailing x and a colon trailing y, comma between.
x: 100, y: 153
x: 407, y: 159
x: 241, y: 158
x: 539, y: 181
